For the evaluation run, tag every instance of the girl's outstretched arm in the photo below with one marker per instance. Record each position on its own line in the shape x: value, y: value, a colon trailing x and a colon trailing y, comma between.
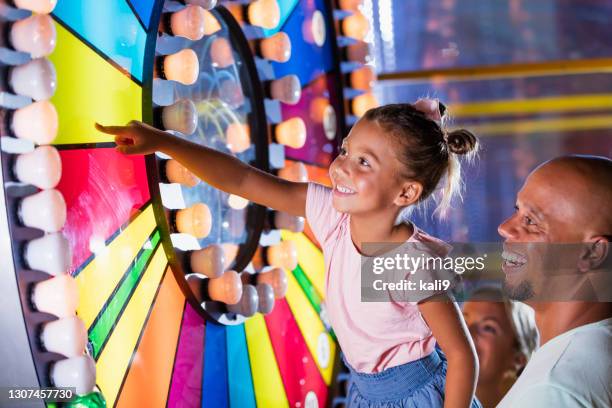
x: 448, y: 327
x: 218, y: 169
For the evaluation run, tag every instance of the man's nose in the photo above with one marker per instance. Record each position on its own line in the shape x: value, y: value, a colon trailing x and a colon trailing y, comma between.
x: 507, y: 229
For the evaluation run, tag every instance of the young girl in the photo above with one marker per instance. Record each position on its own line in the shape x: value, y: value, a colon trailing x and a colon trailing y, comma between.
x: 393, y: 158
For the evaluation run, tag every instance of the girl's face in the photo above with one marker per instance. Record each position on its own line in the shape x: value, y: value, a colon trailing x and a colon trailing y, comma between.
x: 365, y: 175
x: 493, y: 337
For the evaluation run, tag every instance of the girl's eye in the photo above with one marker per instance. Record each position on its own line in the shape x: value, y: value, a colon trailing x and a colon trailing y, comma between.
x: 364, y: 162
x: 489, y: 329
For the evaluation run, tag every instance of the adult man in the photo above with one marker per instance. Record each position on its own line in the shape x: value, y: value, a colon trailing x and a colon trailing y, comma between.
x: 563, y: 222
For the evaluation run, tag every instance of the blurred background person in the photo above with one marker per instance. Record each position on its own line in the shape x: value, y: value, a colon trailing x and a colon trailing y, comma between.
x: 505, y: 336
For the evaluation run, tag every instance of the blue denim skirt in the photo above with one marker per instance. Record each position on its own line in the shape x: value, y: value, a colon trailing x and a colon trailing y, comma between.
x: 417, y: 384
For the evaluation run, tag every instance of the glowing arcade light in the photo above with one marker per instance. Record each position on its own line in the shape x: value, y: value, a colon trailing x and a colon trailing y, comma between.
x: 355, y: 26
x: 41, y: 167
x: 230, y: 92
x: 363, y: 78
x: 175, y: 172
x: 182, y: 66
x: 286, y: 89
x: 188, y: 22
x: 359, y: 52
x: 206, y: 4
x: 277, y: 279
x: 221, y: 53
x: 275, y: 48
x: 363, y: 103
x: 226, y: 289
x: 350, y: 5
x: 36, y: 6
x: 283, y: 255
x: 294, y: 171
x: 37, y: 122
x: 181, y: 116
x: 322, y: 112
x: 195, y: 220
x: 78, y: 372
x: 209, y: 261
x: 58, y: 296
x: 35, y: 35
x: 36, y: 79
x: 236, y: 202
x: 265, y: 293
x: 291, y: 133
x: 238, y: 137
x: 50, y: 254
x: 45, y: 210
x: 248, y: 304
x: 67, y: 336
x: 285, y: 221
x: 262, y: 13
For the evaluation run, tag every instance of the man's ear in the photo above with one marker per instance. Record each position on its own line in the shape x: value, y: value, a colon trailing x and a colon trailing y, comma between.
x: 410, y: 193
x: 519, y: 361
x: 594, y: 253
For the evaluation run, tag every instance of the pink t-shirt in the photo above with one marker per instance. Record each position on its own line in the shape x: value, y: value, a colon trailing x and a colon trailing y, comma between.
x: 373, y: 336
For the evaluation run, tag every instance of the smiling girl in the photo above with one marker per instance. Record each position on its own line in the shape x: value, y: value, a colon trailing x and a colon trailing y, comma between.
x: 394, y: 158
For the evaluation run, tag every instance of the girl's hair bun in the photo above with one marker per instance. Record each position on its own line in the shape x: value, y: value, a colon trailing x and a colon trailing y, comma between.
x: 461, y: 141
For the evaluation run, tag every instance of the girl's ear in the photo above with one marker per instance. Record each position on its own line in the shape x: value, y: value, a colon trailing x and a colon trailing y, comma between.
x: 410, y: 193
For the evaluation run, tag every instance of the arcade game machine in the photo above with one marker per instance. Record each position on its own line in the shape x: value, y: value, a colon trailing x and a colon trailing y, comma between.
x: 126, y: 278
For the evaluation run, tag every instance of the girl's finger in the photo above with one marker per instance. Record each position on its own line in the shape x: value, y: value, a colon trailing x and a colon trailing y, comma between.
x: 111, y: 130
x: 124, y: 140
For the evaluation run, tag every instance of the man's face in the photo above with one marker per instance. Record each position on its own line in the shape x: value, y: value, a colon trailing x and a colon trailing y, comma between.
x: 547, y: 214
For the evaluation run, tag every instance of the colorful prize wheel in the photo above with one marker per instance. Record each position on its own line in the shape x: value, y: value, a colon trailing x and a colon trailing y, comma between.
x: 98, y: 248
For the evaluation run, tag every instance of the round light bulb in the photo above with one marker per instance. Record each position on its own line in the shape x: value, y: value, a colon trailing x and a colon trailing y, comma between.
x: 58, y: 296
x: 285, y: 221
x: 291, y: 133
x: 363, y: 78
x: 182, y: 67
x: 188, y: 22
x: 78, y: 372
x: 318, y: 28
x: 37, y: 6
x: 221, y: 53
x: 264, y: 13
x: 36, y: 79
x: 356, y: 26
x: 276, y: 48
x: 45, y: 210
x: 294, y: 171
x: 286, y: 89
x: 207, y: 4
x: 41, y: 167
x: 226, y: 289
x: 37, y: 122
x: 181, y: 116
x: 236, y: 202
x: 35, y: 35
x: 211, y: 24
x: 238, y: 137
x: 231, y: 251
x: 177, y: 173
x: 265, y: 293
x: 230, y: 91
x: 248, y: 303
x: 350, y: 5
x: 363, y: 103
x: 195, y: 220
x: 283, y: 255
x: 359, y: 52
x: 209, y: 261
x: 67, y: 336
x: 277, y: 279
x: 50, y: 254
